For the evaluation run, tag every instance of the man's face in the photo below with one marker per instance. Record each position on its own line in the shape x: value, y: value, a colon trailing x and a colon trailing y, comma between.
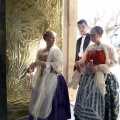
x: 83, y: 28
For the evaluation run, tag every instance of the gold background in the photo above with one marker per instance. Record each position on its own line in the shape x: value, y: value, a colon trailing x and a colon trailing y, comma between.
x: 26, y: 22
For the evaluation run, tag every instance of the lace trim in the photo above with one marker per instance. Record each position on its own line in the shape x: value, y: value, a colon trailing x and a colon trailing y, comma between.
x: 93, y: 47
x: 49, y: 111
x: 45, y: 115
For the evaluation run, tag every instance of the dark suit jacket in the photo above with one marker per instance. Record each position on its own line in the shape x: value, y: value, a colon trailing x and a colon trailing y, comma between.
x: 86, y: 43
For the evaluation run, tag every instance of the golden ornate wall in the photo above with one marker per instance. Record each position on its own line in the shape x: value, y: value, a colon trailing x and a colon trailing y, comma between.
x: 26, y: 21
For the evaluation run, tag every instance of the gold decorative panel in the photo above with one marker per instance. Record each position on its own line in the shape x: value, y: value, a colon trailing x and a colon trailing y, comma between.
x: 26, y: 21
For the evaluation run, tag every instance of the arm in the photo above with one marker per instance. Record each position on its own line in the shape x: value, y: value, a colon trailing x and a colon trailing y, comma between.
x: 111, y: 62
x: 80, y: 64
x: 76, y: 54
x: 56, y: 62
x: 36, y: 63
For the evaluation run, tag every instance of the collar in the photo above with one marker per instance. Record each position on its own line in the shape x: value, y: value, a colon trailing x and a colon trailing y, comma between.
x: 83, y: 36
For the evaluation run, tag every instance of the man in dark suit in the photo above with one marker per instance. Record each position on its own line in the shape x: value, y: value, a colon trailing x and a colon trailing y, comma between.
x: 83, y: 41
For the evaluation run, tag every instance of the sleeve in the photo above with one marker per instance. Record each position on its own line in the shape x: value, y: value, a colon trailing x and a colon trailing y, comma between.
x: 76, y: 55
x: 56, y: 64
x: 112, y: 61
x: 82, y: 61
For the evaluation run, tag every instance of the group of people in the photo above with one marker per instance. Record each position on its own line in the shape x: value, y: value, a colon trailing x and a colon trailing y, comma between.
x: 97, y: 95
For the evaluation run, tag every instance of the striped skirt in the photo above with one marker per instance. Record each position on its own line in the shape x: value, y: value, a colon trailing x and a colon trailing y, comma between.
x: 92, y: 105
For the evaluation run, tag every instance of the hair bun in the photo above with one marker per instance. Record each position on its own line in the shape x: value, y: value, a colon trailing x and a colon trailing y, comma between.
x: 44, y: 36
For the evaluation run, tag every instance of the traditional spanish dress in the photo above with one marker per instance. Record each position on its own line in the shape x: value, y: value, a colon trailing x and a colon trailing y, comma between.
x: 97, y: 96
x: 49, y: 99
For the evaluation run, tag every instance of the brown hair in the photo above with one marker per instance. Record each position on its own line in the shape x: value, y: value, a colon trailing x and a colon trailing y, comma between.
x: 49, y: 33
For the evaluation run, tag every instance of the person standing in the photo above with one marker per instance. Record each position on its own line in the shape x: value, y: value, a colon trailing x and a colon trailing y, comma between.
x: 81, y: 45
x: 83, y: 41
x: 98, y: 96
x: 49, y: 98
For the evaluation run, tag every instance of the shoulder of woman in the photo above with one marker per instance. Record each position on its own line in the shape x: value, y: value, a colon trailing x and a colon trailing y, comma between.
x: 57, y: 52
x: 91, y: 44
x: 108, y: 45
x: 56, y: 48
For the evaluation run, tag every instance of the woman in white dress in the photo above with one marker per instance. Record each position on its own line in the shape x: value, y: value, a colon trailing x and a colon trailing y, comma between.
x: 49, y: 98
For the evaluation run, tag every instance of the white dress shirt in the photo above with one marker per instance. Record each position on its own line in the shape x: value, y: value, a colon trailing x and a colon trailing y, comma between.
x: 81, y: 47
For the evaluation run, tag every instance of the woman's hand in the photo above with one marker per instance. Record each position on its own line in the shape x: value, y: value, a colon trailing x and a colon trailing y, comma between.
x: 33, y: 65
x: 94, y: 69
x: 30, y: 69
x: 38, y: 63
x: 79, y: 66
x: 88, y: 67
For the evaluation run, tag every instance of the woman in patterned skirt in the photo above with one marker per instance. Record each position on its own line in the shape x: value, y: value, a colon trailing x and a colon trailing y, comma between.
x: 49, y: 98
x: 97, y: 96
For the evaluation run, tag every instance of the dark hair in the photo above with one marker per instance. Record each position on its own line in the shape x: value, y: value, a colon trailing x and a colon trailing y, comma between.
x: 44, y: 36
x: 98, y: 29
x: 49, y: 33
x: 82, y: 21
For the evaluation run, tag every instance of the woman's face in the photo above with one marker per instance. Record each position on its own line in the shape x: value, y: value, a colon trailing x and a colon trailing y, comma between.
x: 50, y: 40
x: 95, y: 37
